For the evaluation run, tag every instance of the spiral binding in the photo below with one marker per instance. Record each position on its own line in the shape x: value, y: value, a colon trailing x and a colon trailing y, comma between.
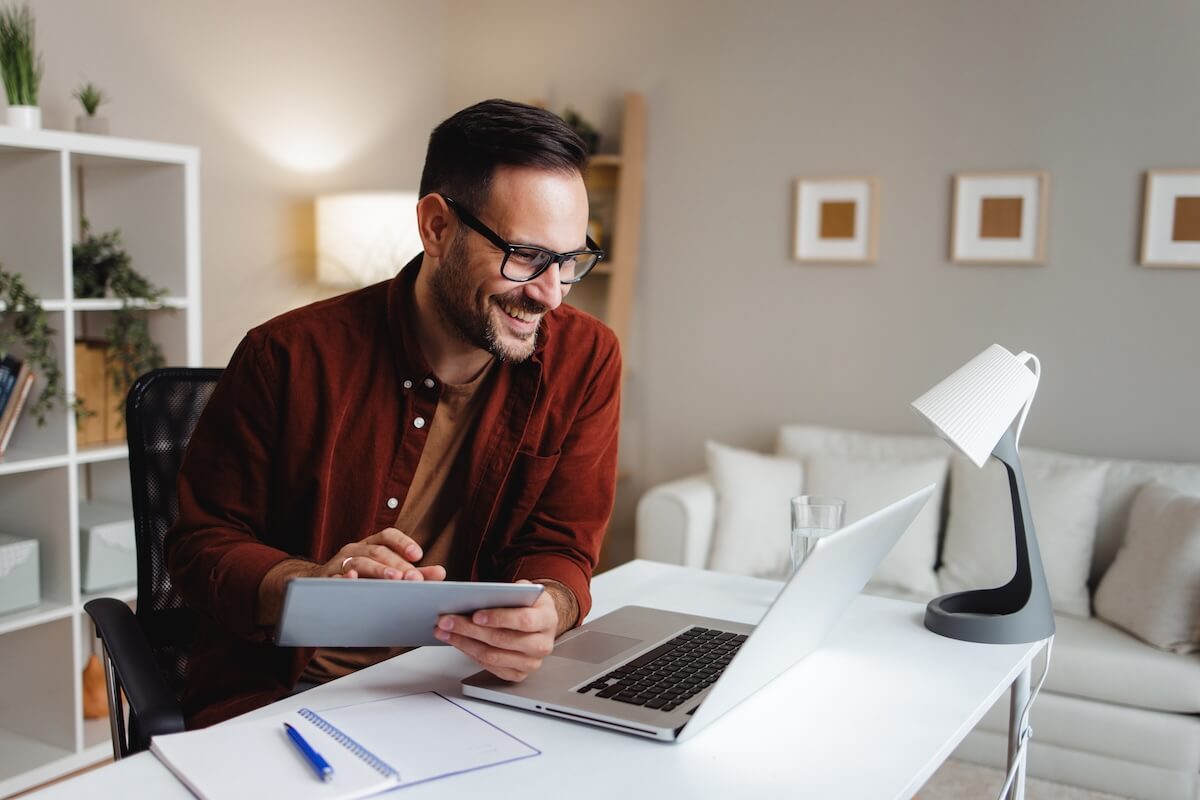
x: 365, y: 755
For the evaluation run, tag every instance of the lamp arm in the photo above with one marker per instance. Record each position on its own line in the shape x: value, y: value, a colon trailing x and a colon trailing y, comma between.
x: 1026, y: 357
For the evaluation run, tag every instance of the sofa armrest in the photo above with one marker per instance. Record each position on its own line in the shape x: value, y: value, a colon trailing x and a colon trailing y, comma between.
x: 675, y: 521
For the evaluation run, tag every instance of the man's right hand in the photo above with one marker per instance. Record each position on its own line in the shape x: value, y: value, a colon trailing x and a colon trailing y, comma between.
x: 389, y: 554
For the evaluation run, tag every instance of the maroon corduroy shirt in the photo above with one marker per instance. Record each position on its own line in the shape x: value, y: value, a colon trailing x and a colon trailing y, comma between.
x: 317, y: 423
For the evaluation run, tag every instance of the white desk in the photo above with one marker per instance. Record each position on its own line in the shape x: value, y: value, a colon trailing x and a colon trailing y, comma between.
x: 871, y: 715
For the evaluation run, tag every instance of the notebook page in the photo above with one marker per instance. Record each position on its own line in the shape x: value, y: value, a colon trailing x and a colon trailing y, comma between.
x: 256, y: 759
x: 425, y: 736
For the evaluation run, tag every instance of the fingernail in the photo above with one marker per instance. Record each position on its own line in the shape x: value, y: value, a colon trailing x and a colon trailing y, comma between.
x: 413, y: 551
x: 481, y: 618
x: 446, y: 623
x: 390, y: 573
x: 441, y: 635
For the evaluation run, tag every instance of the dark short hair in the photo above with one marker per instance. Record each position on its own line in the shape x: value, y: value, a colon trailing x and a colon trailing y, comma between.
x: 465, y: 150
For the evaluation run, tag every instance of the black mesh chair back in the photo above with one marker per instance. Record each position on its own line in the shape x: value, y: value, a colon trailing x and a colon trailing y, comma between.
x: 161, y: 411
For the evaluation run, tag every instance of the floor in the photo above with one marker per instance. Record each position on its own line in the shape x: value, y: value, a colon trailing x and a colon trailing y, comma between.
x: 958, y: 780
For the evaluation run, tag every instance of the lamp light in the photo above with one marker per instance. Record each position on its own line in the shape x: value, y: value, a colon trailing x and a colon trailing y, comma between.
x: 365, y: 237
x: 974, y: 409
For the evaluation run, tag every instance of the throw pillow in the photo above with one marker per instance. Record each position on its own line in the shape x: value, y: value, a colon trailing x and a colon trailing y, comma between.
x: 867, y: 486
x: 979, y: 550
x: 753, y: 524
x: 1152, y: 588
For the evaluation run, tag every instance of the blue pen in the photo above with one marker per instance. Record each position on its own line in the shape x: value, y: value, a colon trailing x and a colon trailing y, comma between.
x: 319, y: 765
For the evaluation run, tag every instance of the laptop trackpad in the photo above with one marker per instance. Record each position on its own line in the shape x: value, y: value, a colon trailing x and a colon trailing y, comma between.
x: 594, y: 646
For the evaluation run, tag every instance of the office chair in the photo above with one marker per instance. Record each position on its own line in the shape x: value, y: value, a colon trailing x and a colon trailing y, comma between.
x: 145, y: 654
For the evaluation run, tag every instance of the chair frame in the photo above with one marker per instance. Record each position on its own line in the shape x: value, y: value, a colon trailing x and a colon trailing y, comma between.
x: 126, y: 639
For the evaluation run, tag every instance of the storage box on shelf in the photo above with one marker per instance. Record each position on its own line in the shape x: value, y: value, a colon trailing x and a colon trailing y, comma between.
x: 49, y: 181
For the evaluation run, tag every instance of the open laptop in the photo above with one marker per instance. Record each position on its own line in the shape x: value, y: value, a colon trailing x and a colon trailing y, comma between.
x: 667, y: 675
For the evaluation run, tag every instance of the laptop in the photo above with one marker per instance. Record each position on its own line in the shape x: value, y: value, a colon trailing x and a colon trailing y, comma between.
x: 667, y: 676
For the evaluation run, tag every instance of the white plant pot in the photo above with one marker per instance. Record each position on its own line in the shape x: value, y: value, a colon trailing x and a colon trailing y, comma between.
x: 86, y: 124
x: 29, y: 117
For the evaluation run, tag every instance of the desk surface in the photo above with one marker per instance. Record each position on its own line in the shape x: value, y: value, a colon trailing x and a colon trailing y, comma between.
x: 872, y: 714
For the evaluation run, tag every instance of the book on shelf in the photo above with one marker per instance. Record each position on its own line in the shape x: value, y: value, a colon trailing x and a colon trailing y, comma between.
x: 15, y: 405
x: 10, y: 365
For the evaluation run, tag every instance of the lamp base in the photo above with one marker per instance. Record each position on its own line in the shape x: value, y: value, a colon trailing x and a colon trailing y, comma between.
x: 991, y: 616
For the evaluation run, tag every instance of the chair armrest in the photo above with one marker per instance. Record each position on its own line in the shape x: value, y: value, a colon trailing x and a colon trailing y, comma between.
x: 675, y: 521
x: 151, y: 700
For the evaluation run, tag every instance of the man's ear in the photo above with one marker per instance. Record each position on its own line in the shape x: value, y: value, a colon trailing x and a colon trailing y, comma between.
x: 433, y: 223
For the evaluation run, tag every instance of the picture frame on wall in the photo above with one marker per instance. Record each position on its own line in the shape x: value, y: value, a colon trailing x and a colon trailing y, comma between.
x: 1171, y: 218
x: 999, y: 217
x: 837, y: 220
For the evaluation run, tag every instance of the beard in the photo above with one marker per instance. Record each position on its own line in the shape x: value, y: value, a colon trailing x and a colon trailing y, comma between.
x: 474, y: 318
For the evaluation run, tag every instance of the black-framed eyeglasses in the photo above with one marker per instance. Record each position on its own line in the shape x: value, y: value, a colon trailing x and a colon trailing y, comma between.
x: 524, y: 262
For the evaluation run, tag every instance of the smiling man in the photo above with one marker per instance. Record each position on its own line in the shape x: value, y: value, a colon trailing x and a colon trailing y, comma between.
x: 457, y: 421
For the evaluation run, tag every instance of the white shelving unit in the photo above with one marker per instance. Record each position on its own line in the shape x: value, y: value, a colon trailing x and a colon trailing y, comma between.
x: 151, y: 192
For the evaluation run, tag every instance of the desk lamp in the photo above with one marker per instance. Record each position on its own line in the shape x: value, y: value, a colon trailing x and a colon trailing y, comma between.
x: 974, y: 409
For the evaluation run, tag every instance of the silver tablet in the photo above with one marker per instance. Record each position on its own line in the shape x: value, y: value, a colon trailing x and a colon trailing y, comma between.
x: 333, y: 612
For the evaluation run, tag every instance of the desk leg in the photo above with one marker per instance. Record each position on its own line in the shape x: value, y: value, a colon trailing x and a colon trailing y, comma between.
x: 1018, y: 697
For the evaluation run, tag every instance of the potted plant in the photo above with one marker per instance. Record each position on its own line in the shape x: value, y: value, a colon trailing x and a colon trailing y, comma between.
x: 103, y: 268
x: 21, y: 66
x: 90, y: 96
x: 24, y: 321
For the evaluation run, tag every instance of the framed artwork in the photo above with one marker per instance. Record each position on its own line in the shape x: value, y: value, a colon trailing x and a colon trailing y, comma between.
x: 999, y: 217
x: 837, y: 220
x: 1171, y: 218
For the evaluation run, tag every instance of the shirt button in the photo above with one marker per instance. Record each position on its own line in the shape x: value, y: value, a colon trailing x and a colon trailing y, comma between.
x: 429, y: 383
x: 408, y: 384
x: 392, y: 502
x: 419, y: 422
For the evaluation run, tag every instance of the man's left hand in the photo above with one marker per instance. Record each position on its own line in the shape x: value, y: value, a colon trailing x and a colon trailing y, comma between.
x: 510, y: 643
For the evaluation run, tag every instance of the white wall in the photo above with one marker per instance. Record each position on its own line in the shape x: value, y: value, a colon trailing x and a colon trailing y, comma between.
x: 745, y: 97
x: 284, y: 99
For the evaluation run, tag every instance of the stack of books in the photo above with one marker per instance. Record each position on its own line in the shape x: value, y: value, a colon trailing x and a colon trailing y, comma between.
x: 15, y: 381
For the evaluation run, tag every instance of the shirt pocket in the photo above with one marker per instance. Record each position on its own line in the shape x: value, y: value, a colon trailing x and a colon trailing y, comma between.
x: 526, y: 482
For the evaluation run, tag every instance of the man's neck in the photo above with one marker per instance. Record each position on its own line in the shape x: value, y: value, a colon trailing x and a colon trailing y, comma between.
x: 452, y: 359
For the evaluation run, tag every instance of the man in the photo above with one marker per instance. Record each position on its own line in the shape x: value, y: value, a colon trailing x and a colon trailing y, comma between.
x: 454, y: 422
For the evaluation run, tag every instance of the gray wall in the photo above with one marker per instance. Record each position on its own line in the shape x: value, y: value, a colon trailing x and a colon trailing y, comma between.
x: 745, y: 97
x: 285, y: 99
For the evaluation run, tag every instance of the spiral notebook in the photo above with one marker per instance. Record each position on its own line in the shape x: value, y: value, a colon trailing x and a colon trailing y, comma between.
x: 372, y: 747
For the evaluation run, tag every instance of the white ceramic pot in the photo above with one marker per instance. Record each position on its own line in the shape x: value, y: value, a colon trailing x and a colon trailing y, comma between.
x: 86, y: 124
x: 29, y: 117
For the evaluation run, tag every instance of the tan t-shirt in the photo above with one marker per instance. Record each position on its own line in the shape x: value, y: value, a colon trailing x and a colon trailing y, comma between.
x: 430, y: 513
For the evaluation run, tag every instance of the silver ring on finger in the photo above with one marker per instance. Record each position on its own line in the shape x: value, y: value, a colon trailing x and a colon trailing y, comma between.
x: 346, y: 561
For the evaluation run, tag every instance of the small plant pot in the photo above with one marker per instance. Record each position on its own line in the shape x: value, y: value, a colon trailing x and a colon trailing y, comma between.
x: 28, y: 117
x: 91, y: 124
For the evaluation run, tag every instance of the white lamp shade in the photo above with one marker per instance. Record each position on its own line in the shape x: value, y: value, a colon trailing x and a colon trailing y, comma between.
x: 973, y: 407
x: 365, y: 237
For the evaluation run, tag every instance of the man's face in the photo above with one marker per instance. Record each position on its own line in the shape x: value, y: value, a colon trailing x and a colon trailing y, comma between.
x: 481, y: 306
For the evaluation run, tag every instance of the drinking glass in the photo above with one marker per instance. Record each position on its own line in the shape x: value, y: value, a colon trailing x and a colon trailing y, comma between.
x: 813, y: 516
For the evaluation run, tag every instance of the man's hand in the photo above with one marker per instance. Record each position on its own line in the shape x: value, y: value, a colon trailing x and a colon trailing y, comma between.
x: 389, y: 554
x: 510, y: 643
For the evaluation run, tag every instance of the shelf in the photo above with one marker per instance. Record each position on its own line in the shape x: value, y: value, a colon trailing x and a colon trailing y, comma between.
x: 20, y: 754
x: 28, y: 459
x: 47, y: 305
x: 126, y: 594
x: 94, y: 453
x: 43, y: 612
x: 112, y: 304
x: 94, y: 148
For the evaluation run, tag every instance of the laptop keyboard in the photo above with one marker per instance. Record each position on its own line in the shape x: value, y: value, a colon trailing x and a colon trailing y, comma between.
x: 671, y: 673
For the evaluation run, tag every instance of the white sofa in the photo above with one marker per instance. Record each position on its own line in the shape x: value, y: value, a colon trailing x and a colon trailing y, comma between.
x: 1116, y: 715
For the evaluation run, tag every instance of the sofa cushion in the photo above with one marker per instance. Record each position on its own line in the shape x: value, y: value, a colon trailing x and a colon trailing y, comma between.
x: 1152, y: 588
x: 869, y: 485
x: 1092, y: 659
x: 979, y: 548
x: 753, y: 525
x: 802, y: 441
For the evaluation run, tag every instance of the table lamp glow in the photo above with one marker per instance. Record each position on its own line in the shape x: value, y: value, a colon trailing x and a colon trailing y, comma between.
x: 974, y: 409
x: 365, y: 237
